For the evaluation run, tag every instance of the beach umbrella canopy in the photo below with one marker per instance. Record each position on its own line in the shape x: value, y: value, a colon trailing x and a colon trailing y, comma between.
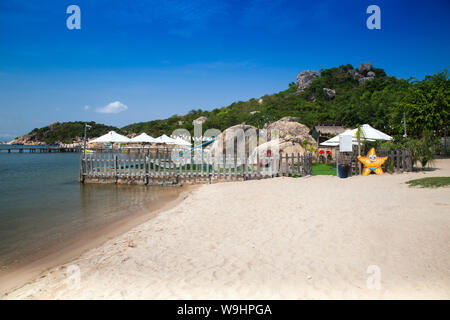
x: 368, y: 133
x: 182, y: 142
x: 165, y: 139
x: 111, y: 137
x: 142, y: 138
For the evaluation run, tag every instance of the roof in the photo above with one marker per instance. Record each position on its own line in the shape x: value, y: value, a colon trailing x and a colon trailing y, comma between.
x: 328, y: 129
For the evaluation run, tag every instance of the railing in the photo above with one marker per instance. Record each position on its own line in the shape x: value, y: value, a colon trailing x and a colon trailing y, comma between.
x: 163, y: 167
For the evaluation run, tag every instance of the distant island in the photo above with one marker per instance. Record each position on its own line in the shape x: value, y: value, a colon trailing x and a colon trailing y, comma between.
x: 345, y: 95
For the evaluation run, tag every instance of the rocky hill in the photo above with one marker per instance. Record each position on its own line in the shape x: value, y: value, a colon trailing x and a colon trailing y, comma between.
x: 67, y: 132
x: 346, y: 95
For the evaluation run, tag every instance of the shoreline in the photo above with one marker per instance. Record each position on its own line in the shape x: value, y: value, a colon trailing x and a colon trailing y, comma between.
x: 275, y: 239
x: 31, y: 268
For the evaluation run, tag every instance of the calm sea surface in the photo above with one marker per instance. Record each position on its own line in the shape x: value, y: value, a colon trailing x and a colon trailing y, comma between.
x: 41, y: 202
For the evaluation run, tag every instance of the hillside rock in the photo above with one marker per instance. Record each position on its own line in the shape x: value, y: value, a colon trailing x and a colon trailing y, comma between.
x: 330, y: 93
x: 364, y: 67
x: 311, y: 97
x: 305, y: 78
x: 354, y: 73
x: 363, y: 80
x: 371, y: 74
x: 200, y: 120
x: 27, y: 139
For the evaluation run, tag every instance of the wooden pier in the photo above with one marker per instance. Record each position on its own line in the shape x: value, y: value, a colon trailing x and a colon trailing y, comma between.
x: 164, y: 168
x: 38, y: 149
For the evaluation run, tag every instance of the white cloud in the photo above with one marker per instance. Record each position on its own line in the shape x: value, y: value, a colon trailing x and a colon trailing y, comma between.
x: 86, y: 107
x: 113, y: 107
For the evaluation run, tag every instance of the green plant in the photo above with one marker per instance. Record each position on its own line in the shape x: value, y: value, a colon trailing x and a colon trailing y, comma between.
x: 433, y: 182
x: 423, y: 149
x: 390, y: 166
x: 323, y: 169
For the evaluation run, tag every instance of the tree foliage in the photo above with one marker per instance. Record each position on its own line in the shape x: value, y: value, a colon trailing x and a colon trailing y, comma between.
x: 379, y: 102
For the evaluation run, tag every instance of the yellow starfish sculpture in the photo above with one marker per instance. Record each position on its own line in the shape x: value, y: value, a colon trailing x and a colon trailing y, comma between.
x: 372, y: 163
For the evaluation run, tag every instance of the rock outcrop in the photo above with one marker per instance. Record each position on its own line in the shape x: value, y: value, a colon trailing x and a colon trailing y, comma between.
x: 220, y: 145
x: 290, y: 129
x: 200, y: 120
x: 363, y: 80
x: 330, y: 93
x: 365, y: 67
x: 371, y: 74
x: 354, y: 73
x: 27, y: 139
x: 305, y: 78
x: 290, y: 139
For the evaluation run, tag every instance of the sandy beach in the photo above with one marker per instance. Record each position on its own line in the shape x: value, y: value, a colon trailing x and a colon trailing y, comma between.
x: 282, y: 238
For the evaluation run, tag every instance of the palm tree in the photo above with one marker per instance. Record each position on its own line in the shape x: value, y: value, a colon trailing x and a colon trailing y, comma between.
x: 359, y: 135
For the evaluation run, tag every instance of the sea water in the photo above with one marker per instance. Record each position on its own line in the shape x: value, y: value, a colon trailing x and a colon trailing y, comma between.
x: 41, y: 203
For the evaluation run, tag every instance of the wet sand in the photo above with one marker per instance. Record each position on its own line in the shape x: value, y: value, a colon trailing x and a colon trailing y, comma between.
x: 317, y: 237
x: 34, y: 266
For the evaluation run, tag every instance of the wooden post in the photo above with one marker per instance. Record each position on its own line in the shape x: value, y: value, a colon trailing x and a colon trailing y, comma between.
x: 116, y: 163
x: 81, y: 169
x: 145, y: 170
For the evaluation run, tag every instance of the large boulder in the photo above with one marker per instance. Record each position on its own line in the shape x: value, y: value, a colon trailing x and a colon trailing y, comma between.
x: 228, y: 136
x: 289, y: 128
x: 330, y: 93
x: 371, y: 74
x: 365, y: 67
x: 283, y: 146
x: 305, y: 78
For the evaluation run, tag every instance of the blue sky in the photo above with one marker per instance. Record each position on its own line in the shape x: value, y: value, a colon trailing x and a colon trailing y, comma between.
x: 153, y: 59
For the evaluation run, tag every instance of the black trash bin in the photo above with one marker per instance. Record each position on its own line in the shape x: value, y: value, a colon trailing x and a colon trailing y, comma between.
x: 343, y: 170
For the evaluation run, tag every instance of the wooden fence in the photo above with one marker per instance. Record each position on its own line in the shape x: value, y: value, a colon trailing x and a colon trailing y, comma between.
x: 398, y: 160
x: 164, y: 168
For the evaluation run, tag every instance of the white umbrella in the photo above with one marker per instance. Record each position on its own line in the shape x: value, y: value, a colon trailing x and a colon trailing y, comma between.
x: 111, y: 137
x: 165, y: 139
x: 367, y: 133
x: 182, y: 142
x: 143, y: 137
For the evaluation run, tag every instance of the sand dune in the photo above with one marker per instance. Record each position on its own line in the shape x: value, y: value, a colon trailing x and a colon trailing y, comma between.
x: 279, y: 238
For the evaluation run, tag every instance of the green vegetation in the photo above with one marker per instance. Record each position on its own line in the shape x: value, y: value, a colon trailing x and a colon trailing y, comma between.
x: 323, y: 169
x: 422, y: 149
x: 380, y: 102
x: 434, y: 182
x: 67, y: 132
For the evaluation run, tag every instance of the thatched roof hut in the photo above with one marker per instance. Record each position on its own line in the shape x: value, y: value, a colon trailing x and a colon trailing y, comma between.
x: 324, y: 131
